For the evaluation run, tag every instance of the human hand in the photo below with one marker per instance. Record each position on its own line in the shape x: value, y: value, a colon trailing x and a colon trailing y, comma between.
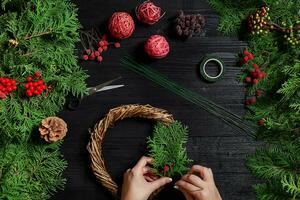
x: 198, y: 187
x: 139, y: 184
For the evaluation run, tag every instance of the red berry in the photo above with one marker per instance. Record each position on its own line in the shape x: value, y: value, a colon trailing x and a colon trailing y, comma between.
x: 255, y: 81
x: 104, y: 48
x: 254, y: 74
x: 250, y: 56
x: 97, y: 53
x: 92, y: 56
x: 40, y: 82
x: 35, y: 92
x: 99, y: 58
x: 29, y: 78
x: 246, y: 53
x: 263, y: 74
x: 117, y: 44
x: 261, y: 122
x: 100, y: 49
x: 260, y: 75
x: 35, y: 84
x: 44, y: 87
x: 104, y: 37
x: 248, y: 79
x: 258, y: 93
x: 252, y: 100
x: 85, y: 57
x: 13, y: 82
x: 166, y: 168
x: 14, y: 87
x: 255, y: 66
x: 28, y: 93
x: 31, y: 88
x: 101, y: 43
x: 38, y: 74
x: 2, y: 95
x: 88, y: 51
x: 257, y: 70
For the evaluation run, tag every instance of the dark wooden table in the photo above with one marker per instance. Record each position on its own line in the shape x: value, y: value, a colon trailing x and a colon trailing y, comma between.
x: 211, y: 142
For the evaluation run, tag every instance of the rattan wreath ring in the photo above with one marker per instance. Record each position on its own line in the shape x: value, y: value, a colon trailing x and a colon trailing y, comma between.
x: 97, y: 135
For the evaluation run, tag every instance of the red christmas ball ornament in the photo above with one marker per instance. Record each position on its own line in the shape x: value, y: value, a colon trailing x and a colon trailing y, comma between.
x: 157, y: 46
x: 121, y: 25
x: 148, y: 13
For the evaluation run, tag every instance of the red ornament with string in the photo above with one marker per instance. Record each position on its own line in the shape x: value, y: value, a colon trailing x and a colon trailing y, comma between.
x: 121, y: 25
x: 148, y: 13
x: 157, y: 46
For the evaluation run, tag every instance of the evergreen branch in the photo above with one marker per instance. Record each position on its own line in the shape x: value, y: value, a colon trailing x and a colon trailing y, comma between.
x: 291, y: 185
x: 38, y: 35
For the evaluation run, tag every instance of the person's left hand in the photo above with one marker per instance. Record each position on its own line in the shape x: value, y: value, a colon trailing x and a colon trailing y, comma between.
x: 139, y: 184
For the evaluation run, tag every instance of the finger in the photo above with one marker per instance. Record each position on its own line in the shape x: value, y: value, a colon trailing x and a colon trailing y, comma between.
x: 203, y: 171
x: 160, y: 182
x: 187, y: 186
x: 211, y: 173
x: 146, y: 169
x: 149, y: 179
x: 142, y: 162
x: 152, y: 176
x: 193, y: 179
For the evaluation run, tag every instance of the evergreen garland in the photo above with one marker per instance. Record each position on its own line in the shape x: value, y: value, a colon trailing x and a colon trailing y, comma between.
x: 167, y: 147
x: 35, y: 35
x: 278, y: 163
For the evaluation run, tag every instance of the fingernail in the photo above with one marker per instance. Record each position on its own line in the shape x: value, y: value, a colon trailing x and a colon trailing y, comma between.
x: 170, y: 179
x: 176, y: 187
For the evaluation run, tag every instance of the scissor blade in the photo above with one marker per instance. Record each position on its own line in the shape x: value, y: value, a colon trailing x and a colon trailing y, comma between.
x: 98, y: 87
x: 110, y: 87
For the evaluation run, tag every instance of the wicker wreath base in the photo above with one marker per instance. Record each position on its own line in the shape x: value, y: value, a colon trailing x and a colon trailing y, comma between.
x: 97, y: 135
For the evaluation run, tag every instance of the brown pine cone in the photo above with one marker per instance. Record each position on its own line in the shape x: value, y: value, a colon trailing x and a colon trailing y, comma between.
x: 53, y: 129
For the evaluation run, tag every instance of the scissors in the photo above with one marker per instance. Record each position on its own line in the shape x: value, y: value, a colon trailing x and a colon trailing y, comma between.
x: 74, y: 102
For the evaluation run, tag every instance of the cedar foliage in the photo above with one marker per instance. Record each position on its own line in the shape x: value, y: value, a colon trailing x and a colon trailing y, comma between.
x: 278, y: 163
x: 46, y: 32
x: 167, y: 147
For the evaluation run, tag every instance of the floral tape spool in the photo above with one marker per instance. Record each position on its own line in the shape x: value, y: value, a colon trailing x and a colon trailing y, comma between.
x: 203, y: 72
x: 94, y: 147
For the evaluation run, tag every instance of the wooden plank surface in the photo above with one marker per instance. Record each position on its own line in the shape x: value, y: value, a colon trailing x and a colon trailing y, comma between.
x: 211, y: 142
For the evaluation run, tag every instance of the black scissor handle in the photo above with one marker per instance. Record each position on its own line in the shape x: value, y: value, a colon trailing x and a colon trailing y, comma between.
x: 73, y: 103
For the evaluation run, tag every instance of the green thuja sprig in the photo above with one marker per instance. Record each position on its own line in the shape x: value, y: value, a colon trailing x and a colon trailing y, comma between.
x: 167, y: 147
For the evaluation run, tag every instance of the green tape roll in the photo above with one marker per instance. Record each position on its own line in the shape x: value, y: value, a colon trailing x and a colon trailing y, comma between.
x: 205, y: 75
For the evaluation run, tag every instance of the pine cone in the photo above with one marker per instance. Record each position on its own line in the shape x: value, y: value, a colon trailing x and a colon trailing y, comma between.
x: 53, y: 129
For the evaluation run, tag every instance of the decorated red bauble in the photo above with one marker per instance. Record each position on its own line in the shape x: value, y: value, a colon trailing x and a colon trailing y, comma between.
x: 148, y: 13
x: 121, y: 25
x: 157, y: 46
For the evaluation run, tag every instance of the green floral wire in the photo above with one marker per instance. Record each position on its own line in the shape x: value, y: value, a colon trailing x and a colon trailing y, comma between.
x: 213, y: 108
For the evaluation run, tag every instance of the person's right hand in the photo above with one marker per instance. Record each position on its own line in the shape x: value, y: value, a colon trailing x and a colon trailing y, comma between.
x: 198, y: 184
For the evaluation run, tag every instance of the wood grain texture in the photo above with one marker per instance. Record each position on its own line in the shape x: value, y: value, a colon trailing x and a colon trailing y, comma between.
x: 211, y: 142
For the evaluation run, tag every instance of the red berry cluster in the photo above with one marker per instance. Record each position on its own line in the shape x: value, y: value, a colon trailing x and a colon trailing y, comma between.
x: 7, y: 85
x: 34, y: 86
x: 254, y: 75
x: 102, y: 46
